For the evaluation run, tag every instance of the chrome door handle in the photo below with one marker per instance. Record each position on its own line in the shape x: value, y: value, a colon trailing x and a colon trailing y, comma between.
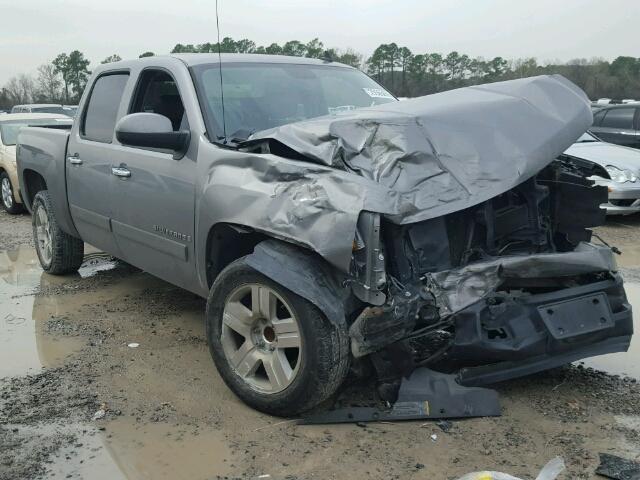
x: 121, y: 172
x: 626, y: 133
x: 75, y: 160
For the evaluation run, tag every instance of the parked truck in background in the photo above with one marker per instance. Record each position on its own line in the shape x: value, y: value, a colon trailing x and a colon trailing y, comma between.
x: 328, y: 224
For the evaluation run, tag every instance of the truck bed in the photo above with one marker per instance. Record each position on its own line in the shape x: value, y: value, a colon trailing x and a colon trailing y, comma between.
x: 42, y: 151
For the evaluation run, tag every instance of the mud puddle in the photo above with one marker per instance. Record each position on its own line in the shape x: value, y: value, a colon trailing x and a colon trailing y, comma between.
x: 127, y: 451
x: 23, y: 315
x: 626, y: 364
x: 46, y: 321
x: 20, y: 351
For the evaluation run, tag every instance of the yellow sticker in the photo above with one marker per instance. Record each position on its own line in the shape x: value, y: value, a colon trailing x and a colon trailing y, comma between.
x: 426, y: 408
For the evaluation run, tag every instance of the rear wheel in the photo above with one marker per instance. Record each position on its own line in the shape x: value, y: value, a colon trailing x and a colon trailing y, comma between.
x: 274, y: 349
x: 59, y: 253
x: 8, y: 198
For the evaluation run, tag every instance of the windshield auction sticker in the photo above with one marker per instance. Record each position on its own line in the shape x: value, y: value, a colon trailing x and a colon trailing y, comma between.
x: 377, y: 93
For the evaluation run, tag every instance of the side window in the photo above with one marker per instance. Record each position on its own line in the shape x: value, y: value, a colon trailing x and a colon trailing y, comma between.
x: 102, y: 109
x: 619, y: 118
x: 157, y: 92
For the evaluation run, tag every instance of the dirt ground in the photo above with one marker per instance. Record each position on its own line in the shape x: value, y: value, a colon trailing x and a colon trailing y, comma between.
x: 78, y: 399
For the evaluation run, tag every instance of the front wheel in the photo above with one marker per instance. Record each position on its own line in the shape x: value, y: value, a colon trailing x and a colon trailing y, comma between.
x: 274, y: 349
x: 8, y: 197
x: 59, y: 253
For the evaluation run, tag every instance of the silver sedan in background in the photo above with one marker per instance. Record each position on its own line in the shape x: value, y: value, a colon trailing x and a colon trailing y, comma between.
x: 620, y: 171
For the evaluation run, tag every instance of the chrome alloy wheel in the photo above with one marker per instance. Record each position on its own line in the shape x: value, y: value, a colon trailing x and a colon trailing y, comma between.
x: 7, y: 195
x: 43, y: 234
x: 261, y: 338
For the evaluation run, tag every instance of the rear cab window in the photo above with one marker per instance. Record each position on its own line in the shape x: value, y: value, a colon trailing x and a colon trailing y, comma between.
x: 99, y: 119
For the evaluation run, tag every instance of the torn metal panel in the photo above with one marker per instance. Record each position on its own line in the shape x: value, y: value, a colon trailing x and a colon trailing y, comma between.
x: 369, y: 260
x: 378, y: 326
x: 617, y: 468
x: 311, y: 205
x: 424, y: 394
x: 457, y: 288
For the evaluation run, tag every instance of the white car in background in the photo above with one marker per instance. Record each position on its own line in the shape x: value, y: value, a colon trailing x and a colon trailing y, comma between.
x: 620, y: 171
x: 10, y: 125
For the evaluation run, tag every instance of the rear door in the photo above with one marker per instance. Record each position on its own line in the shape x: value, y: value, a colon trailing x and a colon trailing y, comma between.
x: 155, y: 193
x: 617, y: 125
x: 90, y: 182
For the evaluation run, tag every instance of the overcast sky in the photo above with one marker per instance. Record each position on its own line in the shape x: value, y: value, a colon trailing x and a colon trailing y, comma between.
x: 33, y: 32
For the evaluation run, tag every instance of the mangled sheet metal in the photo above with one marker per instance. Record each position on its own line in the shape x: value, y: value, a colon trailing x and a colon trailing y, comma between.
x: 409, y: 161
x: 458, y: 288
x: 425, y: 394
x: 441, y: 153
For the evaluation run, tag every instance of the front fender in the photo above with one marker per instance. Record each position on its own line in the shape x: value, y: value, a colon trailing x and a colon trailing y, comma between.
x: 305, y: 274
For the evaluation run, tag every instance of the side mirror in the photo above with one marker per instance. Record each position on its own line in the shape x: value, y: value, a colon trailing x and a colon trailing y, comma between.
x: 151, y: 130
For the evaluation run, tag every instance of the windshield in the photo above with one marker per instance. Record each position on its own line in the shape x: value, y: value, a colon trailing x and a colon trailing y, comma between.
x: 587, y: 137
x: 9, y: 130
x: 262, y: 96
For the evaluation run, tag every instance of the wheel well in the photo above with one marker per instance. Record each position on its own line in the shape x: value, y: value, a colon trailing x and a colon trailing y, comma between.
x: 33, y: 183
x: 226, y: 243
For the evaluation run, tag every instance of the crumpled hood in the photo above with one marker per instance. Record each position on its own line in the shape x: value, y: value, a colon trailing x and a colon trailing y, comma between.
x: 445, y: 152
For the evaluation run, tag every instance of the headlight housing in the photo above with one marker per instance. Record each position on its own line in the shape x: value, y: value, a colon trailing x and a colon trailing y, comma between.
x: 621, y: 176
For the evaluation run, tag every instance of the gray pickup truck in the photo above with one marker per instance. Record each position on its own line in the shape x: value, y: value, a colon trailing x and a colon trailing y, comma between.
x: 330, y: 225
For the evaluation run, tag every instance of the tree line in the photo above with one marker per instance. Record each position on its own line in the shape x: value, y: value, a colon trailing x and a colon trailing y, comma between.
x: 61, y: 81
x: 403, y: 72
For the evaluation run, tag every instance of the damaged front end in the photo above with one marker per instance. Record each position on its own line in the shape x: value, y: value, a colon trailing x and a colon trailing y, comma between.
x: 505, y: 288
x: 472, y: 255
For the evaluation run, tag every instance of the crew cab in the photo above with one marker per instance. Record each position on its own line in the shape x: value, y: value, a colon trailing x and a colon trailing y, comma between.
x: 330, y: 225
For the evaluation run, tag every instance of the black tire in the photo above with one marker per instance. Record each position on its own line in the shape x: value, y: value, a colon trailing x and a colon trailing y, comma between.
x: 13, y: 207
x: 325, y: 354
x: 67, y: 252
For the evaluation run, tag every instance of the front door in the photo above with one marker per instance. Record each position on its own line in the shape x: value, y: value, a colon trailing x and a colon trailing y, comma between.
x: 153, y: 220
x: 90, y: 182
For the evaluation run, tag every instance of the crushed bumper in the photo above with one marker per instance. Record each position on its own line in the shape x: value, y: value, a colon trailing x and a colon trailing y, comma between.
x: 507, y: 317
x: 541, y: 332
